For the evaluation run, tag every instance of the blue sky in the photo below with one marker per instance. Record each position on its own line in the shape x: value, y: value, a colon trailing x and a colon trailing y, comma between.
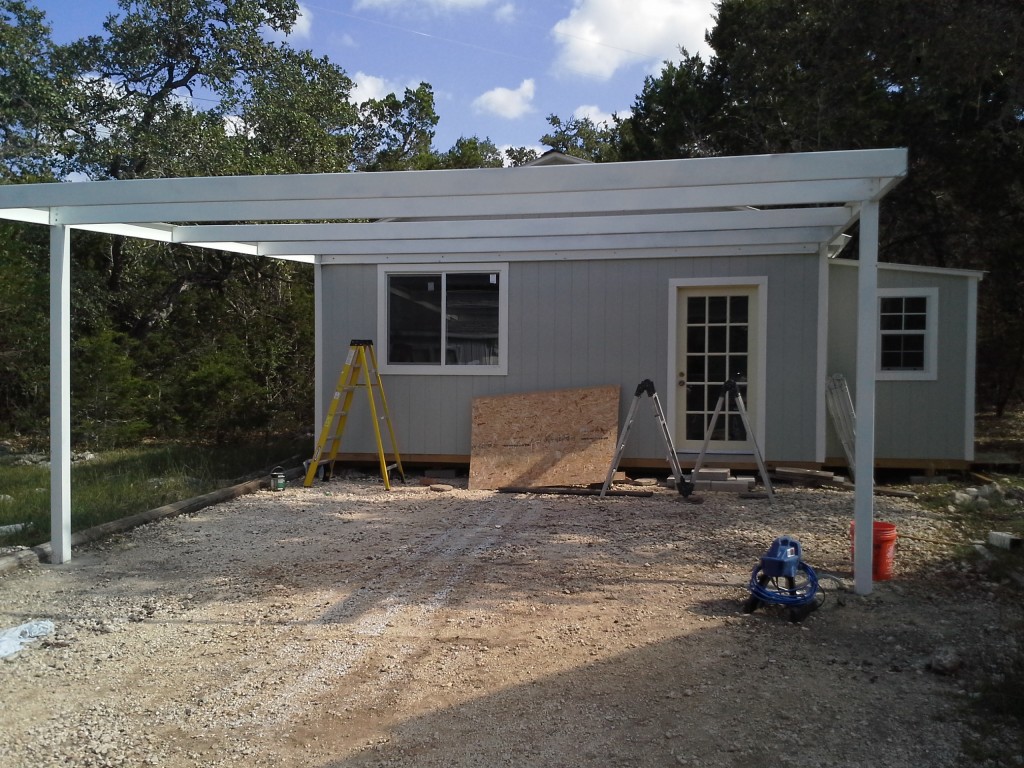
x: 498, y: 67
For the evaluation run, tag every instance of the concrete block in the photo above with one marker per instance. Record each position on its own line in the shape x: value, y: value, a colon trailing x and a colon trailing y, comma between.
x: 728, y: 486
x: 713, y: 474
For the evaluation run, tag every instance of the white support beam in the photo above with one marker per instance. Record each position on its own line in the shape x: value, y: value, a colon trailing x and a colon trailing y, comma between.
x: 867, y: 343
x: 28, y: 215
x: 60, y: 394
x: 320, y: 349
x: 886, y: 165
x: 809, y: 236
x: 836, y: 217
x: 460, y: 204
x: 572, y: 254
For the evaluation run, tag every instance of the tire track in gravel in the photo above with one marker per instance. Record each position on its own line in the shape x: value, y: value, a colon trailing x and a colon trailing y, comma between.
x: 350, y: 631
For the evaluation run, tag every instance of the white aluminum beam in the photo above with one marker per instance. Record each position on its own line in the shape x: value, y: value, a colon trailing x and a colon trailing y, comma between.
x: 29, y: 215
x: 800, y: 236
x: 864, y: 451
x: 462, y: 205
x: 60, y: 394
x: 160, y: 233
x: 573, y: 254
x: 837, y: 217
x: 886, y: 165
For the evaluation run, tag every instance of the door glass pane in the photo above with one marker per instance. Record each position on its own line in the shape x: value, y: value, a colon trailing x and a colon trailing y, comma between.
x: 738, y: 338
x: 695, y: 369
x: 696, y: 311
x: 717, y: 335
x: 695, y: 339
x: 718, y: 309
x: 414, y: 319
x: 738, y: 309
x: 738, y: 367
x: 716, y: 369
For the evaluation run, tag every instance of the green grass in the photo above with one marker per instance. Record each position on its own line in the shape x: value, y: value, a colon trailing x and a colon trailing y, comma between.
x: 124, y: 482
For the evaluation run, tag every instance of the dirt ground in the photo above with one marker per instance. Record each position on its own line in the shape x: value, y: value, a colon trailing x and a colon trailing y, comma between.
x: 343, y: 626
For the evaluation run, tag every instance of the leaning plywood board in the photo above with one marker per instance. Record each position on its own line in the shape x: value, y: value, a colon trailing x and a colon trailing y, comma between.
x: 561, y: 437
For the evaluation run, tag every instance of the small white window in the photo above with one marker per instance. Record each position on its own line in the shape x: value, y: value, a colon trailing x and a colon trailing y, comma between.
x: 907, y: 338
x: 450, y: 319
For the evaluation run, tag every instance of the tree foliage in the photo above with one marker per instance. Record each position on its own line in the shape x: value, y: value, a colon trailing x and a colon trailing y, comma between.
x: 170, y: 340
x: 582, y: 137
x: 944, y: 79
x: 29, y: 94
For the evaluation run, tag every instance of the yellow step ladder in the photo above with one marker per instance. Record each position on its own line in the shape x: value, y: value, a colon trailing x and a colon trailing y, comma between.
x: 360, y: 371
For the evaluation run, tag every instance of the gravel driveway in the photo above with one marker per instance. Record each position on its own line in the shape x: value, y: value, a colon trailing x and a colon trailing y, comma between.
x: 344, y: 626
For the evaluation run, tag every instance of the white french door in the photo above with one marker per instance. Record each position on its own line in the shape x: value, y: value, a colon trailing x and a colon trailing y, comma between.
x: 718, y: 340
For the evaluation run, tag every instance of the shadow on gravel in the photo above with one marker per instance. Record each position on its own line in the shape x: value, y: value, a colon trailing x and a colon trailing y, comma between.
x: 754, y: 693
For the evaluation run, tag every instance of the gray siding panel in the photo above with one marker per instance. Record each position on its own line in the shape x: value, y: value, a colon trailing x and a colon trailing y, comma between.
x: 914, y: 419
x: 588, y: 323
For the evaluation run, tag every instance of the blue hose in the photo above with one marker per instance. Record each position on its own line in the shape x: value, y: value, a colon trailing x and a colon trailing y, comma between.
x: 772, y: 592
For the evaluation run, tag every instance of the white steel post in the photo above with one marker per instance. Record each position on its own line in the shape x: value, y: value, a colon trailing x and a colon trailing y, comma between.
x: 319, y: 409
x: 867, y: 343
x: 60, y: 394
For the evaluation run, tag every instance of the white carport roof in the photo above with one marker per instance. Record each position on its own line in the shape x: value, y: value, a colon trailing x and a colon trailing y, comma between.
x: 766, y: 204
x: 723, y: 206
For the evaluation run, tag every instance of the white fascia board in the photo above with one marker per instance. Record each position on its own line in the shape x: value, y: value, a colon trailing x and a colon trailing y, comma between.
x: 300, y: 258
x: 28, y: 215
x: 835, y: 217
x: 883, y: 165
x: 571, y: 255
x: 811, y: 236
x: 466, y: 206
x: 894, y: 267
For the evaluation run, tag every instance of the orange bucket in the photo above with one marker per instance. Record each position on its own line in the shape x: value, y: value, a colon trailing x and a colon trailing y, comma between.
x: 883, y: 550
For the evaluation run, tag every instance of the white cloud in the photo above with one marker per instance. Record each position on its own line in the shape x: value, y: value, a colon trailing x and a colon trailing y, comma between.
x: 506, y: 14
x: 300, y: 29
x: 303, y: 23
x: 433, y: 5
x: 598, y: 37
x: 507, y: 103
x: 371, y: 87
x: 592, y: 111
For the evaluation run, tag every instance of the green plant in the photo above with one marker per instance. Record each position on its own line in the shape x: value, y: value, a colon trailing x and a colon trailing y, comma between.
x: 128, y: 481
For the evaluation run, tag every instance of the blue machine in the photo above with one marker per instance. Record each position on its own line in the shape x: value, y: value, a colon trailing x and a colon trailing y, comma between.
x: 783, y: 578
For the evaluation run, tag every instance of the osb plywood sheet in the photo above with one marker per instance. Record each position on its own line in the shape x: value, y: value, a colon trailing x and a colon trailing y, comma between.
x: 562, y: 437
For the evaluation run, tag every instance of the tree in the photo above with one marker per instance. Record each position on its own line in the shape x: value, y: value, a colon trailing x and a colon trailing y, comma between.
x: 582, y: 137
x: 519, y: 156
x: 29, y: 94
x: 945, y: 79
x: 393, y: 134
x: 471, y: 152
x: 136, y: 103
x: 24, y: 350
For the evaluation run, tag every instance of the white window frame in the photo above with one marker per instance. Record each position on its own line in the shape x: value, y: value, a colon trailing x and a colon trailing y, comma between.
x: 442, y: 369
x: 931, y: 335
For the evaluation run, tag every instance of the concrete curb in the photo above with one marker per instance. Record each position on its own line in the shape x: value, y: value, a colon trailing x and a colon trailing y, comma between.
x: 42, y: 552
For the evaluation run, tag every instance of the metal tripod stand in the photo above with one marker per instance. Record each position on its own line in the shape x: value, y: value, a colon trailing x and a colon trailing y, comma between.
x: 647, y: 386
x: 730, y: 388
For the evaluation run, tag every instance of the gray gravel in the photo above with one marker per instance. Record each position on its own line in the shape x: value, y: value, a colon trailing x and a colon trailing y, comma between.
x: 346, y: 626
